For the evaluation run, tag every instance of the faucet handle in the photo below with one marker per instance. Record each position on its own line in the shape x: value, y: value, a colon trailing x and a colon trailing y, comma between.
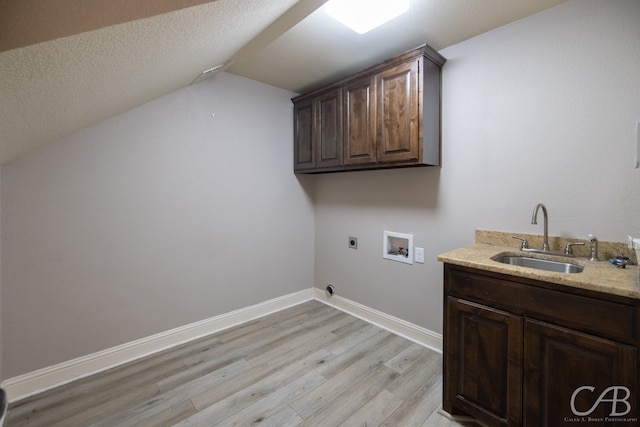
x: 525, y: 244
x: 593, y: 247
x: 568, y: 250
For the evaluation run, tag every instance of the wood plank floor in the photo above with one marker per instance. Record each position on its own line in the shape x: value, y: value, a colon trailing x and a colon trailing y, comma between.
x: 310, y: 365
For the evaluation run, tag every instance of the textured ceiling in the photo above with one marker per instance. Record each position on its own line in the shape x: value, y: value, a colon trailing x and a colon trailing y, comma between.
x: 82, y: 71
x: 25, y: 22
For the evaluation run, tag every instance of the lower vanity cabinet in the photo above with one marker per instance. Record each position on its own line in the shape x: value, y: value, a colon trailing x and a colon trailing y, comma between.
x: 519, y: 352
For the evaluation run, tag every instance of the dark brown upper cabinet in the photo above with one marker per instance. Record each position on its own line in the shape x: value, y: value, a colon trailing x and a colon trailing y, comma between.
x: 386, y: 116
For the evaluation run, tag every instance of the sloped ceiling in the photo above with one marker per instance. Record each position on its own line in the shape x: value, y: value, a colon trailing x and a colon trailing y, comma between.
x: 68, y: 64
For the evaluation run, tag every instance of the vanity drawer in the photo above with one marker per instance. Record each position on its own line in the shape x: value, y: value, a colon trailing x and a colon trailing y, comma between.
x: 529, y: 298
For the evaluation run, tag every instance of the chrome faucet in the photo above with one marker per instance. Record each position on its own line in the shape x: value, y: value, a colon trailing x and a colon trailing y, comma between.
x: 524, y: 247
x: 534, y: 220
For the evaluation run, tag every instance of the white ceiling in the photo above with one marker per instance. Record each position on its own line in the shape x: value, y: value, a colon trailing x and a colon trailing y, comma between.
x: 54, y: 88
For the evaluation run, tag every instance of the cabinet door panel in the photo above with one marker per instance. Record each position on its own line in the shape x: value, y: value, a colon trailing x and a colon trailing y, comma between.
x: 398, y: 113
x: 483, y: 363
x: 359, y: 132
x: 304, y: 157
x: 329, y: 129
x: 559, y: 361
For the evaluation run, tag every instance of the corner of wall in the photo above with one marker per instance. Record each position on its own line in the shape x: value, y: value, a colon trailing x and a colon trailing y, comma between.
x: 1, y: 311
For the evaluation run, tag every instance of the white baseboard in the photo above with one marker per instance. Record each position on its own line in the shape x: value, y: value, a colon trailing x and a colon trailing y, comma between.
x: 23, y: 386
x: 410, y: 331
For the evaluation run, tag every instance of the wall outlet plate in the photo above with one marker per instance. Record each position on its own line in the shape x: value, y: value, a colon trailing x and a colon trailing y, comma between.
x: 353, y: 242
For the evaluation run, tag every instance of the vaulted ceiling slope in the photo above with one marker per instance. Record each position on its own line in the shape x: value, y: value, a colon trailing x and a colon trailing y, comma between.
x: 68, y: 64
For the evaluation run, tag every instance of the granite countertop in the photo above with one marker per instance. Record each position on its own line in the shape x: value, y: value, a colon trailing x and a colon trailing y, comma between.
x: 598, y: 276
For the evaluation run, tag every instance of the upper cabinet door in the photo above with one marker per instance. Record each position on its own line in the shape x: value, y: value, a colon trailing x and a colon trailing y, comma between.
x: 398, y: 113
x: 328, y: 129
x: 360, y: 126
x: 303, y: 149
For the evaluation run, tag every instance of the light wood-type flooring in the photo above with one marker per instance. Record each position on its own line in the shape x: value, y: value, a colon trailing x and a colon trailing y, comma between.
x: 309, y: 365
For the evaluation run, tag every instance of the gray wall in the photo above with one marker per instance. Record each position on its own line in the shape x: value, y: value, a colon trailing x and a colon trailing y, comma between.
x: 163, y: 216
x: 151, y: 220
x: 542, y: 110
x: 1, y: 304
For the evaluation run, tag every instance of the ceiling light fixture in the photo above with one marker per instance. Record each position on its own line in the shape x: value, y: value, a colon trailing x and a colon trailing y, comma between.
x: 364, y: 15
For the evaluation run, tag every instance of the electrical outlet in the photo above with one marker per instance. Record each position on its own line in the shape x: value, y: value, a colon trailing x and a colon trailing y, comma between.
x: 419, y: 255
x: 353, y: 242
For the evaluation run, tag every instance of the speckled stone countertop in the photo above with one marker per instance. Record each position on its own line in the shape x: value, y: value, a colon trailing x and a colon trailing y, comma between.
x: 598, y: 276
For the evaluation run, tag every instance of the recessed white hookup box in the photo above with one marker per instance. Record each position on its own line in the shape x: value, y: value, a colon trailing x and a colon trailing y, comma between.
x: 398, y: 247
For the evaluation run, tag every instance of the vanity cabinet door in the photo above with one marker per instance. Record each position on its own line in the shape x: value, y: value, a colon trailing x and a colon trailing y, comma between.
x: 483, y: 363
x: 558, y: 361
